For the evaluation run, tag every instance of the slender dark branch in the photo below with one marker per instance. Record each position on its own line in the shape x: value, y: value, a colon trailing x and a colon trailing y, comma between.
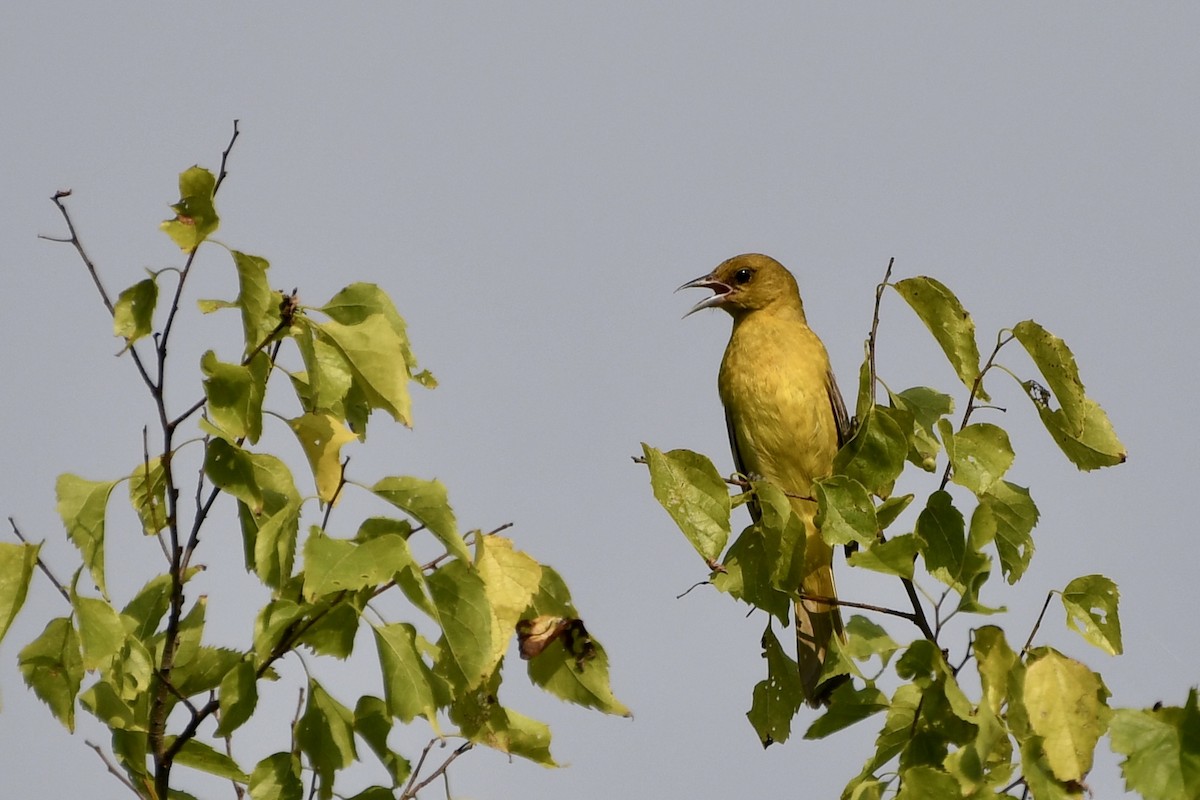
x: 967, y: 657
x: 112, y: 768
x: 872, y: 337
x: 336, y: 494
x: 919, y: 618
x: 835, y: 601
x: 237, y: 787
x: 225, y: 157
x: 411, y: 790
x: 1013, y: 785
x: 691, y: 588
x: 1038, y: 624
x: 444, y: 556
x: 42, y: 564
x: 976, y: 388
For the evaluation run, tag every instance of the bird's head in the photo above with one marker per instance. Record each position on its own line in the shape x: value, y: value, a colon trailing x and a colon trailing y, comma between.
x: 746, y: 283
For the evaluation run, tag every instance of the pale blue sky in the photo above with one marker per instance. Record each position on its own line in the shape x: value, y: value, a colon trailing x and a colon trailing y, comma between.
x: 530, y: 182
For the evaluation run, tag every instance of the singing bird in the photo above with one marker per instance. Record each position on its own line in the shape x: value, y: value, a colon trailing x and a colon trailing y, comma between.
x: 786, y: 421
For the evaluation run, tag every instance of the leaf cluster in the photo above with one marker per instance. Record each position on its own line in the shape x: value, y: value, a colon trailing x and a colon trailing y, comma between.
x: 146, y: 667
x: 999, y: 717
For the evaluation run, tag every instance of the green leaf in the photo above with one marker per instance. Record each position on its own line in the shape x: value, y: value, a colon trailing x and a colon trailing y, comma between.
x: 269, y: 537
x: 376, y: 356
x: 845, y: 512
x: 277, y: 777
x: 426, y: 502
x: 82, y: 504
x: 373, y: 723
x: 1066, y: 705
x: 940, y: 527
x: 273, y: 623
x: 52, y: 666
x: 407, y: 679
x: 259, y: 305
x: 576, y: 671
x: 334, y: 633
x: 980, y: 454
x: 778, y: 697
x: 235, y: 394
x: 100, y: 630
x: 148, y: 606
x: 16, y: 571
x: 949, y: 323
x: 928, y: 783
x: 148, y: 495
x: 326, y: 735
x: 783, y: 536
x: 482, y: 719
x: 1091, y: 603
x: 748, y: 574
x: 995, y: 660
x: 887, y: 511
x: 691, y: 490
x: 875, y: 455
x: 847, y: 705
x: 926, y: 407
x: 897, y: 730
x: 133, y: 313
x: 1006, y: 516
x: 358, y: 301
x: 231, y: 469
x: 466, y: 618
x: 865, y: 639
x: 238, y: 697
x: 335, y: 565
x: 198, y: 755
x: 1079, y: 426
x: 195, y: 217
x: 1162, y: 749
x: 893, y: 557
x: 107, y: 705
x: 322, y: 436
x: 511, y: 579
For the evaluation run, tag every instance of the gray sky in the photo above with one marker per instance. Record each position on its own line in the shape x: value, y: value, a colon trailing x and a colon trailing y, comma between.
x: 530, y: 183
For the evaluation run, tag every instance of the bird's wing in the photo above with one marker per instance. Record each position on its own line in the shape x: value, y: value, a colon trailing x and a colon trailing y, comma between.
x: 738, y: 462
x: 840, y: 418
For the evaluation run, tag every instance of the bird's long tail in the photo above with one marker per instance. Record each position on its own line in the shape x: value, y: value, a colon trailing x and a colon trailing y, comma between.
x: 816, y: 622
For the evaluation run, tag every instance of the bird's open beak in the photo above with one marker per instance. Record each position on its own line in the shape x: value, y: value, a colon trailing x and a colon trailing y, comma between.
x: 719, y: 292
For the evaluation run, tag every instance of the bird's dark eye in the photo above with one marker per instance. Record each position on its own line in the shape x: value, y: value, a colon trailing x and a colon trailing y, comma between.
x: 743, y: 275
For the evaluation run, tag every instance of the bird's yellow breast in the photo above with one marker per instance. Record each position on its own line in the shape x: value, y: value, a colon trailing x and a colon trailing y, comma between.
x: 774, y: 383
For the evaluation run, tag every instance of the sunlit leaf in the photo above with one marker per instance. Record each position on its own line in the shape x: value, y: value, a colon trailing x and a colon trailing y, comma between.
x: 238, y: 697
x: 1006, y: 516
x: 82, y: 504
x: 269, y: 537
x: 1067, y: 708
x: 1161, y: 749
x: 949, y: 323
x: 235, y: 394
x: 16, y: 571
x: 783, y: 535
x: 335, y: 565
x: 427, y: 502
x: 847, y: 705
x: 198, y: 755
x: 325, y: 734
x: 231, y: 469
x: 133, y: 313
x: 1091, y: 602
x: 875, y: 455
x: 322, y: 436
x: 407, y: 679
x: 893, y: 557
x: 1079, y: 426
x: 691, y: 490
x: 511, y: 579
x: 466, y: 618
x: 148, y: 495
x: 276, y: 777
x: 101, y: 631
x: 195, y: 217
x: 980, y: 454
x: 358, y: 301
x: 53, y: 667
x: 995, y: 659
x: 482, y: 719
x: 845, y: 512
x: 376, y: 356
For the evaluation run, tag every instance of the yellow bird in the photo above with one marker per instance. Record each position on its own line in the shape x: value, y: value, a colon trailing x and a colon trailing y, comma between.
x: 786, y: 421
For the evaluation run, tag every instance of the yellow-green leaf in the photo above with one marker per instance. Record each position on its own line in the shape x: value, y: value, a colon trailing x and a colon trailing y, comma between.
x: 16, y: 571
x: 1079, y: 425
x: 407, y: 679
x: 1091, y: 602
x: 1066, y: 705
x: 691, y: 490
x: 875, y: 455
x: 427, y: 502
x: 82, y: 504
x: 376, y: 356
x: 133, y: 313
x: 195, y: 216
x: 980, y: 454
x: 322, y: 436
x: 511, y: 579
x: 1006, y: 516
x: 235, y: 394
x: 238, y: 697
x: 277, y: 777
x: 148, y: 495
x: 950, y: 324
x: 1161, y: 749
x: 52, y: 666
x: 845, y: 512
x: 337, y: 565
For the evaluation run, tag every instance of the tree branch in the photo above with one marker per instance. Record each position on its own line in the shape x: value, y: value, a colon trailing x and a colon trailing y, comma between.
x: 42, y: 564
x: 112, y: 768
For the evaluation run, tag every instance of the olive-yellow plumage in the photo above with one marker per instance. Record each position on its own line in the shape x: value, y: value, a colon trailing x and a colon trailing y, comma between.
x: 786, y: 421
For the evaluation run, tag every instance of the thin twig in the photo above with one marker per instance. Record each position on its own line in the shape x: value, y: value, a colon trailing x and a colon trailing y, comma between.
x: 690, y: 588
x: 112, y: 768
x: 976, y: 388
x: 440, y: 771
x: 42, y: 564
x: 872, y: 337
x: 336, y: 494
x: 835, y: 601
x: 1038, y: 624
x: 432, y: 564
